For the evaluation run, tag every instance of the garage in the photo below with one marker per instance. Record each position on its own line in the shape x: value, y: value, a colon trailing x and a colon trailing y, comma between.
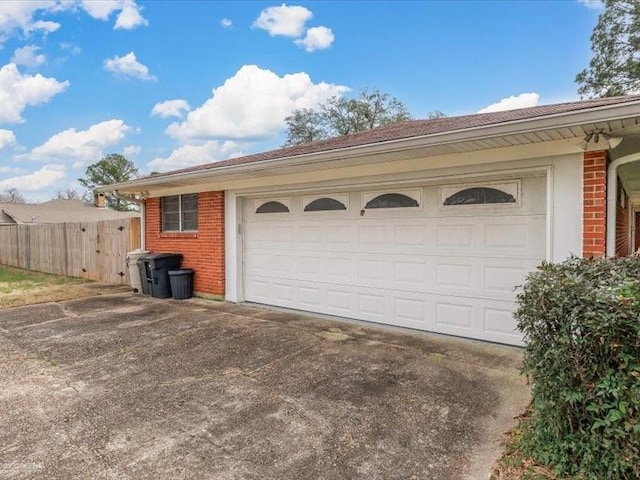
x: 440, y: 258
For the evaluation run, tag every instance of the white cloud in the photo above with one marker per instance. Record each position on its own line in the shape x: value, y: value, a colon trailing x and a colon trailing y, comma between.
x: 131, y: 151
x: 316, y: 38
x: 101, y: 9
x: 28, y: 56
x: 17, y: 91
x: 17, y: 16
x: 252, y: 105
x: 44, y: 26
x: 11, y: 170
x: 171, y: 108
x: 127, y: 66
x: 130, y: 17
x: 46, y: 177
x: 513, y: 102
x: 592, y: 4
x: 7, y: 139
x: 190, y: 155
x: 285, y: 20
x: 71, y: 48
x: 226, y: 23
x: 83, y: 146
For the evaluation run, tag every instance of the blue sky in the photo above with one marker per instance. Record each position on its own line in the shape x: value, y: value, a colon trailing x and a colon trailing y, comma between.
x: 177, y: 83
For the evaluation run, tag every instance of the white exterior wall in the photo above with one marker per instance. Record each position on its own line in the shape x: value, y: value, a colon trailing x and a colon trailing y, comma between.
x: 567, y: 205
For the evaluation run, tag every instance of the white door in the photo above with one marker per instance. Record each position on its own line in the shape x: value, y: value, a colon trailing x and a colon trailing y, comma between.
x: 444, y: 259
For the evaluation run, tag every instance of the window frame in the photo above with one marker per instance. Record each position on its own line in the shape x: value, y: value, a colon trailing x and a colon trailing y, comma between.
x: 339, y: 197
x: 181, y: 228
x: 259, y: 202
x: 511, y: 187
x: 413, y: 193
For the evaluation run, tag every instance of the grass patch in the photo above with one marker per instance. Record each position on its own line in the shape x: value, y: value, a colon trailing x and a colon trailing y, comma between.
x: 22, y: 287
x: 15, y: 279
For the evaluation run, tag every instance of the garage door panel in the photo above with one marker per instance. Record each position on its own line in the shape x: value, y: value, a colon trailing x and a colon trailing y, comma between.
x: 456, y: 236
x: 338, y: 270
x: 372, y: 270
x: 499, y: 321
x: 473, y: 277
x: 340, y: 301
x: 455, y: 275
x: 411, y: 311
x: 410, y: 235
x: 372, y: 235
x: 503, y: 278
x: 410, y: 272
x: 308, y: 236
x: 447, y: 270
x: 373, y: 306
x: 311, y: 298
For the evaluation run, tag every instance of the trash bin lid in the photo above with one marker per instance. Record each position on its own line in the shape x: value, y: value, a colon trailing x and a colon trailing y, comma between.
x: 181, y: 271
x: 156, y: 256
x: 138, y: 253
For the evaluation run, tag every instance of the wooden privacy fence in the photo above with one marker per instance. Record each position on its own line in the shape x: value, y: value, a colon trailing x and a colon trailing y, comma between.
x: 92, y: 250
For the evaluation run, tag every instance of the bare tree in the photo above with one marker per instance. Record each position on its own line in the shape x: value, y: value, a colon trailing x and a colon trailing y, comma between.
x: 72, y: 194
x: 11, y: 195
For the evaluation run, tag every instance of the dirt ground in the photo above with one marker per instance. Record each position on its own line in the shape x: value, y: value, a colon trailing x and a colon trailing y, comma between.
x: 129, y: 387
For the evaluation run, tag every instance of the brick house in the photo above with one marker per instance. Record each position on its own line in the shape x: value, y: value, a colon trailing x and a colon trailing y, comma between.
x: 426, y: 224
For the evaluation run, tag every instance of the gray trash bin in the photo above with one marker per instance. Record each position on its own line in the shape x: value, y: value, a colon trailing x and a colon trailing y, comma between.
x: 181, y: 283
x: 135, y: 277
x: 157, y: 266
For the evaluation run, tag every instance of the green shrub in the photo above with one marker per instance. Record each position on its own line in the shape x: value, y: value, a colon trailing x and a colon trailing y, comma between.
x: 581, y: 324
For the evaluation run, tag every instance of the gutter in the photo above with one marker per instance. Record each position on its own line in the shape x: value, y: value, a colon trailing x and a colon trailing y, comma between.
x: 612, y: 198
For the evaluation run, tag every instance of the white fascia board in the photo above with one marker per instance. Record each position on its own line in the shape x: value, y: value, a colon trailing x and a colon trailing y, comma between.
x: 560, y: 120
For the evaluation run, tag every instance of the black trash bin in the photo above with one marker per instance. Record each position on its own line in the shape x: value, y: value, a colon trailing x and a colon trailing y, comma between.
x: 157, y: 266
x: 181, y: 283
x: 144, y: 276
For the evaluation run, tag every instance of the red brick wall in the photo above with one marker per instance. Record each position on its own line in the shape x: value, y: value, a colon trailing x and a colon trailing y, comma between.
x: 203, y: 251
x: 622, y: 228
x: 594, y: 218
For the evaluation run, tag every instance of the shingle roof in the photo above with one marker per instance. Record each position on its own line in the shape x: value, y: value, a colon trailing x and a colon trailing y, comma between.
x: 413, y: 128
x: 60, y: 211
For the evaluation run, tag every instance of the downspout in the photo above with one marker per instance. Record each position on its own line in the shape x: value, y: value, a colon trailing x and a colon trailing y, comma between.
x: 612, y: 198
x: 143, y: 236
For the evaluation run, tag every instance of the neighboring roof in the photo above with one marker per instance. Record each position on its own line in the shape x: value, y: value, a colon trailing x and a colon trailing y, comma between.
x: 60, y: 211
x: 412, y: 128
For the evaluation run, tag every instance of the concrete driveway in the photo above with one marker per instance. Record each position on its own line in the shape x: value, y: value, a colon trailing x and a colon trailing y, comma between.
x: 129, y: 387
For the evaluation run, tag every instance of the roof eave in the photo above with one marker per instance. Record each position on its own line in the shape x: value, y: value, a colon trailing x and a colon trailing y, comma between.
x: 603, y: 113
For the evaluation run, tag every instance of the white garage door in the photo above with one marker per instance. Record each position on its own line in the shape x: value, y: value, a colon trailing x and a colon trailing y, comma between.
x: 443, y: 259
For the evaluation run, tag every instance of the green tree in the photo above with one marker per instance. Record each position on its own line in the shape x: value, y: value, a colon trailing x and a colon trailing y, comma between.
x: 342, y: 116
x: 114, y: 168
x: 614, y: 68
x: 304, y: 126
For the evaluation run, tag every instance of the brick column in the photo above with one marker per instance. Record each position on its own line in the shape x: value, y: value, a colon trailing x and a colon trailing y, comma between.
x: 594, y: 216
